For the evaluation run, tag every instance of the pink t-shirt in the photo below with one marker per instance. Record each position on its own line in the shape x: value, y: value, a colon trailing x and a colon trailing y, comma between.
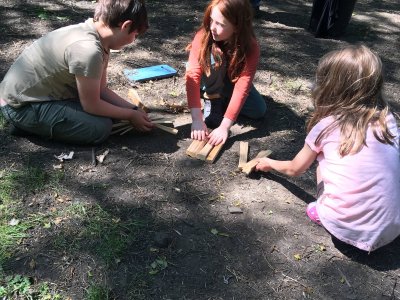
x: 360, y: 204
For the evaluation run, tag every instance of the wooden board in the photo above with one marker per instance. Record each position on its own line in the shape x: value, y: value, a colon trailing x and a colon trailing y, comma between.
x: 195, y: 147
x: 203, y: 153
x: 243, y: 154
x: 214, y: 153
x: 249, y: 166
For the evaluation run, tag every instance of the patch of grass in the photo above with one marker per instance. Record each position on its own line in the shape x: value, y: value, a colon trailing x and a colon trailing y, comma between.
x: 97, y: 292
x: 101, y: 233
x: 22, y: 287
x: 13, y: 222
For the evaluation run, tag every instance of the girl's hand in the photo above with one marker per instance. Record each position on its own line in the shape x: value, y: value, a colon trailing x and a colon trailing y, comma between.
x: 140, y: 121
x: 218, y: 135
x: 199, y: 130
x: 263, y: 164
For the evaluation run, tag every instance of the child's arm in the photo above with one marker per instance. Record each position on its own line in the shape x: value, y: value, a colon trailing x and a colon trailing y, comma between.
x: 295, y: 167
x: 89, y: 96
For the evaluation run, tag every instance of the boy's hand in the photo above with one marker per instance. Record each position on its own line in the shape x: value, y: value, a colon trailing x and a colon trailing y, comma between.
x: 263, y: 164
x: 199, y: 130
x: 141, y: 121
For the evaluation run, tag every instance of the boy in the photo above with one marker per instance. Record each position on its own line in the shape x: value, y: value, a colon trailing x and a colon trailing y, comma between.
x: 57, y: 87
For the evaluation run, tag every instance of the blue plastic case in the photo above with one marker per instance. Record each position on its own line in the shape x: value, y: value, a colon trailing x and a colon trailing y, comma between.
x: 148, y: 73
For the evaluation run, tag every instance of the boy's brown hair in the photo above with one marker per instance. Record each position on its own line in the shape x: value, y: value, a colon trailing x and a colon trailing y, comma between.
x: 115, y: 12
x: 348, y: 87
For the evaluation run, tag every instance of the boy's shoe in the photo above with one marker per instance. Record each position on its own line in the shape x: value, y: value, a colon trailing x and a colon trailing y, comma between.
x: 312, y: 213
x: 214, y: 119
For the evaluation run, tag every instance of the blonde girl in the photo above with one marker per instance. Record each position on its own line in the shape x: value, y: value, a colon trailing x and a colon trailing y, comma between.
x: 354, y: 137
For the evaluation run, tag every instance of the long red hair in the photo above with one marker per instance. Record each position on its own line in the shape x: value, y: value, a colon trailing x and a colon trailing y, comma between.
x: 239, y: 14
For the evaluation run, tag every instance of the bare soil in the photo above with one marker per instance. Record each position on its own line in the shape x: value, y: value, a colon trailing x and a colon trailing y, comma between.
x: 271, y: 250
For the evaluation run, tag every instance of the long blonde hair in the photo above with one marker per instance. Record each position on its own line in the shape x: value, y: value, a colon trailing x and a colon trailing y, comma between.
x: 349, y: 88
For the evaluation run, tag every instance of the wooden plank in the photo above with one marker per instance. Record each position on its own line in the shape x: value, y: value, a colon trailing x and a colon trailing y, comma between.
x: 135, y: 99
x: 166, y: 128
x: 195, y: 147
x: 243, y: 154
x: 203, y: 153
x: 249, y: 166
x: 214, y: 153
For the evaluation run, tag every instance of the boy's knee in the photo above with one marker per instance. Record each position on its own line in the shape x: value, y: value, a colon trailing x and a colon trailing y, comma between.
x: 102, y: 131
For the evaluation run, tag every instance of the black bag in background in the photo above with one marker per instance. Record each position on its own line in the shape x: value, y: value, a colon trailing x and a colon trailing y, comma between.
x: 329, y: 18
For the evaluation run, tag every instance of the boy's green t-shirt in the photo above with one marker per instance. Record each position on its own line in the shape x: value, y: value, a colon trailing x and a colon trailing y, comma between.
x: 46, y: 70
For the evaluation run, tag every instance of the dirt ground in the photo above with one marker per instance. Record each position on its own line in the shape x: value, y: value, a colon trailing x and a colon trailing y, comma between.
x: 271, y: 250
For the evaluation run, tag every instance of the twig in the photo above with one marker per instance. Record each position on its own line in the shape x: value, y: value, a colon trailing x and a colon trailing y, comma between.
x: 344, y: 277
x: 290, y: 278
x: 127, y: 130
x: 94, y: 161
x: 120, y: 129
x: 167, y: 129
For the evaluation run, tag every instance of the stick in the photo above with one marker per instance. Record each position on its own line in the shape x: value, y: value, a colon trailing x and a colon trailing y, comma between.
x: 135, y: 99
x: 126, y: 130
x: 249, y: 167
x: 120, y: 124
x: 243, y: 154
x: 165, y: 128
x: 121, y: 129
x: 162, y: 121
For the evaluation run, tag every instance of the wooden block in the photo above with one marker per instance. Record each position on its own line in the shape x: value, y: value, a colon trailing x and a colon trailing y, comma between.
x: 166, y: 128
x: 243, y: 153
x: 214, y: 153
x: 203, y: 153
x: 195, y: 147
x: 249, y: 167
x: 135, y: 99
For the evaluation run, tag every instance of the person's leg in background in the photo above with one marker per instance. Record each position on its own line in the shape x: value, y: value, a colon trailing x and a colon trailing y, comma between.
x: 63, y: 121
x: 255, y: 4
x: 255, y: 106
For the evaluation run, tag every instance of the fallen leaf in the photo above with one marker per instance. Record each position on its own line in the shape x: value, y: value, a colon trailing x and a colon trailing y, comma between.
x: 297, y: 256
x: 100, y: 158
x: 13, y: 222
x: 214, y: 231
